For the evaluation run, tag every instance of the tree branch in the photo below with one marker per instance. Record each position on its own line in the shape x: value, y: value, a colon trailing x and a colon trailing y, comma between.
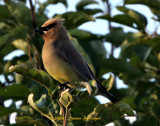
x: 33, y: 16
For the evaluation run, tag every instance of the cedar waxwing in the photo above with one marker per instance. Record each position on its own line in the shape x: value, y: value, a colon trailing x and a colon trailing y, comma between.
x: 62, y: 61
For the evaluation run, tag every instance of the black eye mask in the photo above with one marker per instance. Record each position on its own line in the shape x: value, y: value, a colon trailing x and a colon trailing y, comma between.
x: 47, y: 28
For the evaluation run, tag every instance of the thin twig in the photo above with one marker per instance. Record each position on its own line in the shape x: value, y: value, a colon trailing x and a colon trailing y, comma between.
x: 36, y: 54
x: 109, y: 25
x: 33, y: 16
x: 64, y: 113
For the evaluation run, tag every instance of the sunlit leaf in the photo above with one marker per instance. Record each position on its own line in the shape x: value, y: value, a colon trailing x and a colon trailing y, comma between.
x: 106, y: 113
x: 75, y: 19
x: 141, y: 20
x: 108, y: 83
x: 37, y: 75
x: 21, y: 44
x: 66, y: 98
x: 81, y: 4
x: 40, y: 107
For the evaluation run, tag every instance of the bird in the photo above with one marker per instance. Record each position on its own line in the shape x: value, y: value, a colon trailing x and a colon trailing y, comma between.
x: 62, y: 60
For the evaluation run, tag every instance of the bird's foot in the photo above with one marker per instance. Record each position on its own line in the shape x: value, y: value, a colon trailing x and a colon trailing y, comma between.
x: 64, y: 86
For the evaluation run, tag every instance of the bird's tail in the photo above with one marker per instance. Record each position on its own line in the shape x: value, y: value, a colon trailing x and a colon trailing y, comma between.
x: 109, y: 96
x: 102, y: 90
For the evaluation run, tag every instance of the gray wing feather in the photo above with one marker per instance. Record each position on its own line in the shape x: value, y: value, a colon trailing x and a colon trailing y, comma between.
x: 70, y: 55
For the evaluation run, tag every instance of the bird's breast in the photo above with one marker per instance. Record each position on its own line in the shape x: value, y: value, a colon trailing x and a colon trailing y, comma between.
x: 57, y: 67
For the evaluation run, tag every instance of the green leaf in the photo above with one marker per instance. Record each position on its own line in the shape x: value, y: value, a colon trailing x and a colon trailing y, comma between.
x: 42, y: 104
x: 106, y: 113
x: 85, y: 85
x: 24, y: 120
x: 4, y: 12
x: 66, y: 98
x: 40, y: 107
x: 55, y: 2
x: 124, y: 19
x: 128, y: 44
x: 19, y: 10
x: 121, y: 66
x: 84, y: 35
x: 5, y: 50
x: 37, y: 75
x: 84, y: 107
x: 21, y: 44
x: 108, y: 83
x: 4, y: 39
x: 6, y: 111
x: 75, y: 19
x: 146, y: 120
x: 116, y: 36
x: 140, y: 19
x: 81, y: 4
x: 154, y: 4
x: 17, y: 32
x: 92, y: 11
x: 14, y: 91
x: 53, y: 92
x: 27, y: 120
x: 142, y: 51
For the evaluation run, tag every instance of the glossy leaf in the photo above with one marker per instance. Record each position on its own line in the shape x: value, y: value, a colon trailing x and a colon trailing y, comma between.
x: 140, y: 19
x: 108, y: 83
x: 81, y: 4
x: 153, y: 4
x: 84, y: 107
x: 124, y: 19
x: 19, y: 10
x: 106, y: 113
x: 21, y: 44
x: 27, y: 120
x: 118, y: 65
x: 15, y: 90
x: 66, y: 98
x: 37, y: 75
x: 92, y: 11
x: 75, y: 19
x: 40, y: 107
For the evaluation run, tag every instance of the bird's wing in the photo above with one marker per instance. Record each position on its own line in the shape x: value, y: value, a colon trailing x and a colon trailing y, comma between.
x: 70, y: 55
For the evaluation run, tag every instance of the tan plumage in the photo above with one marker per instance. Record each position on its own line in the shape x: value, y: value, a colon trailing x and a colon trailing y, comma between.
x: 61, y: 60
x: 55, y: 65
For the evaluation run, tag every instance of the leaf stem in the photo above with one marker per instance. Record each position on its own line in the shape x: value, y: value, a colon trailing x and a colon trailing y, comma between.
x: 65, y: 117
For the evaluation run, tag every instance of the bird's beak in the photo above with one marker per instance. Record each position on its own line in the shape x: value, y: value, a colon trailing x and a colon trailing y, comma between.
x: 39, y: 31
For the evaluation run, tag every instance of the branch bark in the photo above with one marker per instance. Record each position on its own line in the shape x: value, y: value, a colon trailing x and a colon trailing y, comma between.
x: 33, y: 16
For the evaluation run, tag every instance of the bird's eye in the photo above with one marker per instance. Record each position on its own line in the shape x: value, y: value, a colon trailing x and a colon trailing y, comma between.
x: 50, y: 26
